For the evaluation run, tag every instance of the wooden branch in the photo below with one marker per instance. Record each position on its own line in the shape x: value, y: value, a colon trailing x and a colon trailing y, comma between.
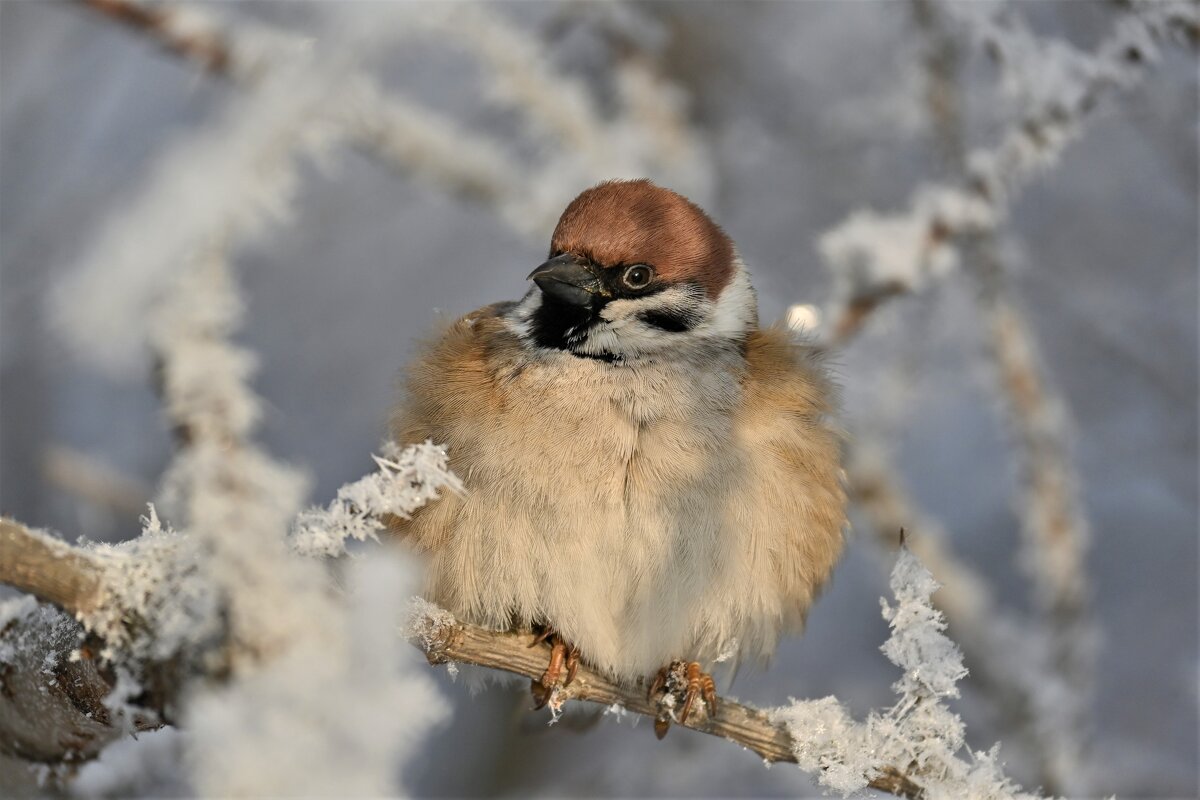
x: 449, y: 640
x: 49, y: 569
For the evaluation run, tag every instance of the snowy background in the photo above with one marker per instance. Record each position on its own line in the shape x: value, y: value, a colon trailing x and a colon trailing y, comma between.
x: 806, y: 112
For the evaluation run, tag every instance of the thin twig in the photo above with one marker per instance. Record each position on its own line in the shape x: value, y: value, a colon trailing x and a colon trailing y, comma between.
x: 1054, y: 525
x: 405, y: 137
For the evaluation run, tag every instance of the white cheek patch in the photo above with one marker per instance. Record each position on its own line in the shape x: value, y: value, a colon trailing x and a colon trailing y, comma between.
x: 678, y: 300
x: 623, y: 329
x: 736, y: 310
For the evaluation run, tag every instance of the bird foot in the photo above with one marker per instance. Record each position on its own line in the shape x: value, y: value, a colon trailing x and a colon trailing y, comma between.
x: 681, y: 682
x: 564, y: 662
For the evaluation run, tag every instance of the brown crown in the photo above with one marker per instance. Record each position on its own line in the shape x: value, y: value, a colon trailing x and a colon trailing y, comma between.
x: 636, y: 222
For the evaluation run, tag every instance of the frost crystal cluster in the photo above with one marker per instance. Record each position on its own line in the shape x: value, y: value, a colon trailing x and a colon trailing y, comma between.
x: 920, y: 733
x: 406, y: 479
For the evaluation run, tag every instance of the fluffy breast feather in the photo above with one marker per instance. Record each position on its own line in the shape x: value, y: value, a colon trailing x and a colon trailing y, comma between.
x: 676, y: 510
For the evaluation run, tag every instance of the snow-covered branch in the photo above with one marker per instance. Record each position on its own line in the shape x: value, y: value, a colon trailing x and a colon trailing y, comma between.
x: 911, y: 749
x: 919, y: 731
x: 1011, y: 660
x: 577, y: 143
x: 406, y: 479
x: 219, y: 625
x: 875, y: 257
x: 1045, y: 692
x: 923, y: 739
x: 1055, y: 532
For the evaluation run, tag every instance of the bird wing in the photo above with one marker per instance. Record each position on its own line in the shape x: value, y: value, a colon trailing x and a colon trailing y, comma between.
x: 786, y: 423
x: 449, y: 387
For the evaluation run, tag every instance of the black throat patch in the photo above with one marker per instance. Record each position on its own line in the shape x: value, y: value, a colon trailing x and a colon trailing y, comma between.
x: 556, y: 324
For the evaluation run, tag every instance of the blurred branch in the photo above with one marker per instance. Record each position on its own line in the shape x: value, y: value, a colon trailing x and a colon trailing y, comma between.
x: 445, y: 639
x: 878, y: 257
x: 94, y: 481
x: 172, y: 29
x: 1054, y: 527
x: 402, y: 136
x: 942, y: 60
x: 413, y: 139
x: 51, y: 706
x: 52, y: 691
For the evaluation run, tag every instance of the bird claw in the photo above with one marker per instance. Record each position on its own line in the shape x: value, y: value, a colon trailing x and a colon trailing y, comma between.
x: 560, y: 672
x: 682, y: 681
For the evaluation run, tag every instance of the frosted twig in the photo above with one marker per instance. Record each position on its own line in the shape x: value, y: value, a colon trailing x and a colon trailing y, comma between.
x: 403, y: 136
x: 412, y: 139
x: 554, y: 105
x: 1010, y: 661
x: 227, y: 183
x: 1056, y: 530
x: 51, y: 706
x: 48, y: 568
x: 875, y: 257
x: 131, y: 595
x: 910, y: 750
x: 436, y: 632
x: 405, y: 480
x: 647, y: 137
x: 919, y: 731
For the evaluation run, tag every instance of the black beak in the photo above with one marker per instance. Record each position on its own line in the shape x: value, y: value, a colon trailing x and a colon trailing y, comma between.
x: 570, y: 279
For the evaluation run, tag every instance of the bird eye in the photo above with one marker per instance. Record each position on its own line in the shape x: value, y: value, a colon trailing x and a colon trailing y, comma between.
x: 638, y: 276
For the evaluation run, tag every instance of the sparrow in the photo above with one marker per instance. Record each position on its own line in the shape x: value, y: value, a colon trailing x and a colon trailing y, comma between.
x: 654, y: 481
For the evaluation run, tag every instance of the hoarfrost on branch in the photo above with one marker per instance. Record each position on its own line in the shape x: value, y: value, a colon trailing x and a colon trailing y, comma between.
x: 919, y: 731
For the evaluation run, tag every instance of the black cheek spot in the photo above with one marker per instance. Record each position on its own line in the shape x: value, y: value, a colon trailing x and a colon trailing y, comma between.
x: 670, y: 321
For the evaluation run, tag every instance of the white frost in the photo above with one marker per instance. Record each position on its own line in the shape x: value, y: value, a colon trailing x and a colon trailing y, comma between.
x: 405, y: 480
x: 919, y: 734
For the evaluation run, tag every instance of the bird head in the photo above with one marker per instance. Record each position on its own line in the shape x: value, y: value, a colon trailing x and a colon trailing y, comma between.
x: 634, y: 270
